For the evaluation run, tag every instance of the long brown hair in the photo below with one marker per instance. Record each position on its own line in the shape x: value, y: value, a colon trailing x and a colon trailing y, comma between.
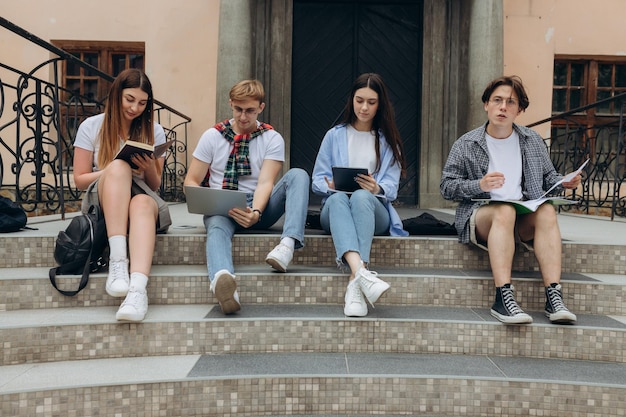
x: 141, y: 128
x: 384, y: 119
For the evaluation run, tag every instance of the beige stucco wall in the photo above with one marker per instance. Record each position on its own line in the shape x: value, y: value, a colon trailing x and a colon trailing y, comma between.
x: 181, y: 40
x: 537, y: 30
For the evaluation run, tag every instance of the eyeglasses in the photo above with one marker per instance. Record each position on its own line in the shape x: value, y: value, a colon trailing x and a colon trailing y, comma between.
x: 510, y: 102
x: 248, y: 112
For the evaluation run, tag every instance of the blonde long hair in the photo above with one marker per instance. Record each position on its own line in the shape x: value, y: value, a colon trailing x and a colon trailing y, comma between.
x: 141, y: 128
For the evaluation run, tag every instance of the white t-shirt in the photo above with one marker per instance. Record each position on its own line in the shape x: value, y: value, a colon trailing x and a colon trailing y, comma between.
x: 214, y: 150
x: 505, y: 157
x: 87, y: 136
x: 361, y: 151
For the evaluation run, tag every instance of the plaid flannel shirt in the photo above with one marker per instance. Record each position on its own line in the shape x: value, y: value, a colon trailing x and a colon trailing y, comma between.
x: 468, y: 162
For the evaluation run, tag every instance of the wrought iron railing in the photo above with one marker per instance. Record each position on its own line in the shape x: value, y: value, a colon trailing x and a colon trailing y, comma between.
x: 574, y: 139
x: 39, y: 119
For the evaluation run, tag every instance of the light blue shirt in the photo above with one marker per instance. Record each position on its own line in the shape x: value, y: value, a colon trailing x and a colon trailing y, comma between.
x: 334, y: 152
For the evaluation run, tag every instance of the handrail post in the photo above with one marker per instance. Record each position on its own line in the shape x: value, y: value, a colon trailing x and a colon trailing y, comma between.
x: 620, y: 145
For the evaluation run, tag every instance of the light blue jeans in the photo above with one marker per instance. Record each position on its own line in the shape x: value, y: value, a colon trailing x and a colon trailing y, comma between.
x: 290, y: 197
x: 353, y: 220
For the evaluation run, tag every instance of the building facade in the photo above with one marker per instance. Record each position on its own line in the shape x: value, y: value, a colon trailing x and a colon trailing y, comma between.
x: 436, y: 56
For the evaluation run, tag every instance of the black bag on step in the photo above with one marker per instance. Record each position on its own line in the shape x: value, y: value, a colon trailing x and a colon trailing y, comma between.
x: 81, y: 249
x: 12, y: 216
x: 427, y: 224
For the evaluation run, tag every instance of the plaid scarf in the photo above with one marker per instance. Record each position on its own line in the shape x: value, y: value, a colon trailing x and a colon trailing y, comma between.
x: 238, y: 162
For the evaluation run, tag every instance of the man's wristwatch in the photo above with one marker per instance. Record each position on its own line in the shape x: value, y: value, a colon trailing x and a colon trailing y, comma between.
x: 258, y: 211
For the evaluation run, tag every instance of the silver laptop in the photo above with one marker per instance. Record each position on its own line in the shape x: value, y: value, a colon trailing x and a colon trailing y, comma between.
x: 213, y: 201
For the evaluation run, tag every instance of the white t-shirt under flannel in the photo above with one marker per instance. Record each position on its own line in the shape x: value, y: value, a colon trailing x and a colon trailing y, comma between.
x: 505, y: 157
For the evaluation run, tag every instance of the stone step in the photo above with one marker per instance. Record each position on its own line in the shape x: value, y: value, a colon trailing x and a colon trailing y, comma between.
x: 30, y: 288
x: 430, y: 347
x: 229, y: 384
x: 29, y: 249
x: 65, y: 334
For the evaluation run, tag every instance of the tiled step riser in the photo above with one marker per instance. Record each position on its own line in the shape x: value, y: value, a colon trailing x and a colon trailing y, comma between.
x: 398, y: 252
x: 315, y: 395
x: 580, y: 297
x: 115, y: 340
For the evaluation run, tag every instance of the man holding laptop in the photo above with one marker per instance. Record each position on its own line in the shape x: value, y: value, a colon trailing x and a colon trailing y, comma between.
x: 247, y: 155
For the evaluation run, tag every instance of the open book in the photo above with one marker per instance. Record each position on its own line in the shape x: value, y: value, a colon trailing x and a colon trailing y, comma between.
x: 132, y: 148
x: 529, y: 206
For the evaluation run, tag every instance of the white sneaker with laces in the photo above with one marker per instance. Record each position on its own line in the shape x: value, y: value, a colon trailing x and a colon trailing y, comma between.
x: 134, y: 307
x: 118, y: 279
x: 371, y: 286
x: 355, y: 303
x: 280, y: 257
x: 224, y: 287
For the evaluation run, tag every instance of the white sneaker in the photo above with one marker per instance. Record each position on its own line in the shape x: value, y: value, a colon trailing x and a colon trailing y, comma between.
x: 224, y: 287
x: 280, y: 257
x: 355, y: 303
x: 118, y: 279
x: 371, y: 286
x: 134, y: 307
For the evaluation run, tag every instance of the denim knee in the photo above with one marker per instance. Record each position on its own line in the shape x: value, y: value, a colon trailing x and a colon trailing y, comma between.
x: 213, y: 223
x: 298, y: 178
x: 362, y: 198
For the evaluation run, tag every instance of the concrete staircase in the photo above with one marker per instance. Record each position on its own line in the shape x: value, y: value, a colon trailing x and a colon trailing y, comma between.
x: 429, y: 348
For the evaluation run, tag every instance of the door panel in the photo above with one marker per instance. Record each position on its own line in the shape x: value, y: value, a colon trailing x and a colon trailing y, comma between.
x: 334, y: 42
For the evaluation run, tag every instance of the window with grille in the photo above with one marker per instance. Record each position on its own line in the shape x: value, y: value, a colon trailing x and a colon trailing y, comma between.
x: 586, y: 81
x: 84, y: 91
x: 579, y: 81
x: 108, y: 57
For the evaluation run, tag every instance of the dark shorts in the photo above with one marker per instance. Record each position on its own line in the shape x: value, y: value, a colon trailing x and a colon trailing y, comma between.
x: 139, y: 187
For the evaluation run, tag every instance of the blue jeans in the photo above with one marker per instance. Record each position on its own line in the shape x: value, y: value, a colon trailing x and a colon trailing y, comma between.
x: 290, y: 197
x: 353, y: 220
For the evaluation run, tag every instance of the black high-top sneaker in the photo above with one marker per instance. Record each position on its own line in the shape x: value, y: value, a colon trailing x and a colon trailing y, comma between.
x: 505, y: 307
x: 555, y: 308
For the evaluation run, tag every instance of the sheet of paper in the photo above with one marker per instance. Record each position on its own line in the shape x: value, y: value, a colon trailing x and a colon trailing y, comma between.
x: 567, y: 178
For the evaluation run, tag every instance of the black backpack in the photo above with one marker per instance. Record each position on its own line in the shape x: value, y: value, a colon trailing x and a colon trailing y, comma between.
x: 81, y: 248
x: 12, y: 216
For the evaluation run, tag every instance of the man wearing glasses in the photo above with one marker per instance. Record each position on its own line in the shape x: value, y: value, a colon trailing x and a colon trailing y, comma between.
x: 244, y: 154
x: 504, y: 161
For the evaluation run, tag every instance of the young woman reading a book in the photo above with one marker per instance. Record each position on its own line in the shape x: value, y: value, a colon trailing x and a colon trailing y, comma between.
x: 367, y: 137
x: 127, y: 197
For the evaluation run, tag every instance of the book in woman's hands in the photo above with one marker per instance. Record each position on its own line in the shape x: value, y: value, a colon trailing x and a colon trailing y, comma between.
x: 132, y: 148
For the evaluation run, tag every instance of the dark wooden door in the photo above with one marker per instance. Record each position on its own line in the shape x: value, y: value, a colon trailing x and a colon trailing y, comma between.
x: 334, y: 42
